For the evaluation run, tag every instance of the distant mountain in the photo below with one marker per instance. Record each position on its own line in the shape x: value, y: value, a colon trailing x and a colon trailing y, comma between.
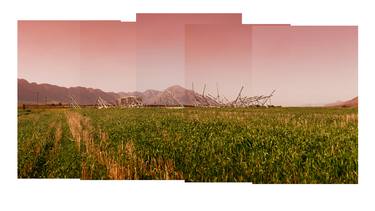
x: 30, y: 93
x: 174, y: 95
x: 349, y: 103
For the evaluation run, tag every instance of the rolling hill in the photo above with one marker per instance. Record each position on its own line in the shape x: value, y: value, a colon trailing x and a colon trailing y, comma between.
x: 349, y: 103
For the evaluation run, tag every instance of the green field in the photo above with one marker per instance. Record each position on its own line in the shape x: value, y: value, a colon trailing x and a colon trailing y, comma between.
x: 258, y: 145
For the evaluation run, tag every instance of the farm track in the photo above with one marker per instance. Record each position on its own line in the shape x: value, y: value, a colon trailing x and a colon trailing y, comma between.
x: 133, y: 168
x: 81, y: 131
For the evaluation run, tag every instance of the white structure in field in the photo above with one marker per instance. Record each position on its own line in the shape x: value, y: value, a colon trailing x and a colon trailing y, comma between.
x: 101, y: 103
x: 130, y: 101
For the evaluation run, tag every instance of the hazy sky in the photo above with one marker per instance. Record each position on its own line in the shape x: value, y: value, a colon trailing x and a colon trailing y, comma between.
x: 98, y: 54
x: 219, y: 55
x: 305, y: 64
x: 108, y: 59
x: 161, y: 46
x: 49, y: 52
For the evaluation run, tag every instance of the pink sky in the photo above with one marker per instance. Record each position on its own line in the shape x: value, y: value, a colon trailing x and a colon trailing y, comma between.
x: 220, y: 55
x: 49, y: 52
x: 108, y: 59
x: 161, y: 46
x: 305, y: 64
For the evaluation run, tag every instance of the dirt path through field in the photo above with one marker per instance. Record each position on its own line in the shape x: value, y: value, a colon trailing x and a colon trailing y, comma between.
x: 74, y: 122
x: 134, y: 166
x: 82, y: 132
x: 58, y: 137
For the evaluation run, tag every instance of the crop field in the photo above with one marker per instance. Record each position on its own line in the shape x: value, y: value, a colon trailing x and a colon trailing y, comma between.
x: 258, y: 145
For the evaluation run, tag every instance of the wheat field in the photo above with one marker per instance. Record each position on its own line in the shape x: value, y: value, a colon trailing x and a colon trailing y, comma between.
x: 258, y: 145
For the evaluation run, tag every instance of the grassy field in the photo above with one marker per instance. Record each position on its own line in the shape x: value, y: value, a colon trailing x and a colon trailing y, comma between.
x: 258, y: 145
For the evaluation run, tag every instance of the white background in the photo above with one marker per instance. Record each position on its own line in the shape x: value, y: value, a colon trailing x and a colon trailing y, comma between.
x: 165, y: 195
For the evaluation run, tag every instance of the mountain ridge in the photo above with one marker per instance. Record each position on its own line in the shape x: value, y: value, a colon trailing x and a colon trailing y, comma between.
x: 176, y: 95
x: 44, y: 93
x: 348, y: 103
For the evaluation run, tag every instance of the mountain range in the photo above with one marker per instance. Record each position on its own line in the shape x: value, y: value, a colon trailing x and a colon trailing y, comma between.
x: 33, y: 93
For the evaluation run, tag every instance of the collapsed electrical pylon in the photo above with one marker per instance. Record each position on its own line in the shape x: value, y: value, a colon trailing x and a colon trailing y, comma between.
x: 73, y: 103
x: 258, y: 101
x: 208, y: 100
x: 101, y: 103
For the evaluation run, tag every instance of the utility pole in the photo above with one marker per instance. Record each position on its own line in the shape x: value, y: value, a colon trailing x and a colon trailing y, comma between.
x: 239, y: 95
x: 217, y: 91
x: 204, y: 89
x: 37, y: 98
